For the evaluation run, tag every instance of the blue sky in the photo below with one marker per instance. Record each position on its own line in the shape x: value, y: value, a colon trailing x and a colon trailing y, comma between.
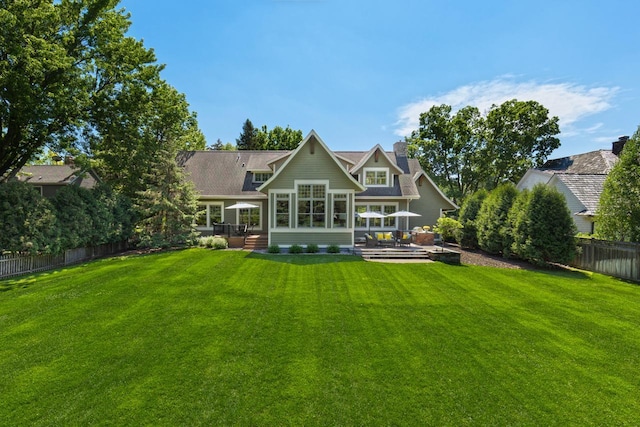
x: 360, y: 72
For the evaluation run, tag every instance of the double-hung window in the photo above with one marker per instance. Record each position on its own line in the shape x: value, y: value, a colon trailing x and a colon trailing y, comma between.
x: 282, y: 210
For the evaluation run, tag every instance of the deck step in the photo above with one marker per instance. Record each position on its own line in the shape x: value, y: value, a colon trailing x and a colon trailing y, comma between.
x: 397, y: 253
x: 256, y: 242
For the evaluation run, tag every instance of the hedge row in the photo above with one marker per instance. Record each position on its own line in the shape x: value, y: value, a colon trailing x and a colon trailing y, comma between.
x: 75, y: 217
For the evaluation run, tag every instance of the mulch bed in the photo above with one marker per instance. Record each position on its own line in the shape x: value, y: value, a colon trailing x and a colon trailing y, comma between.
x: 478, y: 257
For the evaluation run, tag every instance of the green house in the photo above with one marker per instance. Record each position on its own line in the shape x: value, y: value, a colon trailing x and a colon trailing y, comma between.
x: 312, y: 195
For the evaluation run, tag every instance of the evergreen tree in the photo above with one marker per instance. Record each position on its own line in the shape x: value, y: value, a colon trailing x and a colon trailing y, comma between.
x: 493, y: 232
x: 541, y: 226
x: 248, y: 138
x: 618, y: 216
x: 168, y: 206
x: 468, y: 236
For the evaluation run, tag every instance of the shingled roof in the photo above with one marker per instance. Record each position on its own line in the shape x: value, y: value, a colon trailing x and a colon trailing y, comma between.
x: 592, y: 163
x: 586, y: 188
x: 227, y: 174
x: 57, y: 175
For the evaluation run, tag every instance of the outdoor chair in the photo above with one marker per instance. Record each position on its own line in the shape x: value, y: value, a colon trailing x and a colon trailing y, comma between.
x: 403, y: 237
x: 370, y: 241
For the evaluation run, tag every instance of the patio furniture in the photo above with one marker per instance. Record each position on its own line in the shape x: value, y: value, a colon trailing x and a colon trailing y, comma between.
x: 403, y: 237
x: 385, y: 239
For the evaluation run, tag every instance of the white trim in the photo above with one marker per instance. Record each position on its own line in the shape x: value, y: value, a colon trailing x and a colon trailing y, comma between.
x: 206, y: 205
x: 377, y: 169
x: 422, y: 173
x: 260, y: 214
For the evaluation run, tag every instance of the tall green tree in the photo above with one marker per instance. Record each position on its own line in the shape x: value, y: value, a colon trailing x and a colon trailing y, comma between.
x: 447, y: 146
x: 491, y: 222
x: 618, y: 216
x: 248, y: 137
x: 58, y: 59
x: 541, y: 227
x: 466, y: 151
x: 278, y: 138
x: 519, y: 135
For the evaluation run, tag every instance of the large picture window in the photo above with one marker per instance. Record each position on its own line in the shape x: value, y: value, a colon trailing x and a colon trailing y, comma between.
x: 312, y: 205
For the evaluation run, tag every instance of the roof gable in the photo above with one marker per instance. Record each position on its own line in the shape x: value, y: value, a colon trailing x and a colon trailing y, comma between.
x: 312, y: 145
x: 376, y: 152
x: 586, y: 188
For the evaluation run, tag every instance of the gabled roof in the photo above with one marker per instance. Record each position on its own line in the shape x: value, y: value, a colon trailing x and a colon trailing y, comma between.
x: 586, y: 188
x: 311, y: 137
x: 592, y: 163
x: 206, y: 168
x: 57, y: 175
x: 416, y: 173
x: 368, y: 155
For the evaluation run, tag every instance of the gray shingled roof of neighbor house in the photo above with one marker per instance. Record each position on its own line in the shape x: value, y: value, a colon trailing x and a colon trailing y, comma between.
x: 591, y: 163
x: 586, y: 188
x: 56, y: 175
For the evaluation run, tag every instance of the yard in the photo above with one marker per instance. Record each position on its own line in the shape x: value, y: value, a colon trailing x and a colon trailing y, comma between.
x: 199, y: 337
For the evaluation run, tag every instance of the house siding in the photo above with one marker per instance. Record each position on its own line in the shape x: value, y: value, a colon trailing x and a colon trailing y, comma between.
x: 582, y: 224
x: 304, y: 238
x: 429, y: 204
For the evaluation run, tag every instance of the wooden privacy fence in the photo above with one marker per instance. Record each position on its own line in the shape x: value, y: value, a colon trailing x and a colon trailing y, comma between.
x: 17, y: 264
x: 618, y: 259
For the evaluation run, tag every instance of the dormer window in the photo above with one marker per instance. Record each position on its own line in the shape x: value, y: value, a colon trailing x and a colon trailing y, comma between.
x: 260, y: 177
x: 376, y: 177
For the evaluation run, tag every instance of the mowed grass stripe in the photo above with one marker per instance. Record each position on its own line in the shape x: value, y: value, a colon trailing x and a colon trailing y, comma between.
x: 225, y: 337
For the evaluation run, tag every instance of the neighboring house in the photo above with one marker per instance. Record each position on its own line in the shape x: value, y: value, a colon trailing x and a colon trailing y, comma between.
x: 48, y: 179
x: 580, y: 178
x: 311, y: 195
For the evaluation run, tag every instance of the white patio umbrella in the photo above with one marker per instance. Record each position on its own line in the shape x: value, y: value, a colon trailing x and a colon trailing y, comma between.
x: 242, y: 205
x: 369, y: 214
x: 404, y: 214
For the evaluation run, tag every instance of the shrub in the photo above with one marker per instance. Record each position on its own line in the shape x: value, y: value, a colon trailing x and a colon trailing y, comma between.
x: 333, y: 249
x: 312, y: 248
x: 206, y: 242
x: 273, y: 249
x: 541, y: 227
x: 295, y: 249
x: 467, y: 236
x: 74, y: 209
x: 491, y: 221
x: 28, y: 221
x: 448, y: 228
x: 220, y: 243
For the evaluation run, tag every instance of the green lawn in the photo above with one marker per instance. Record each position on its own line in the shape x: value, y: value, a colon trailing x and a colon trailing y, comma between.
x: 201, y: 337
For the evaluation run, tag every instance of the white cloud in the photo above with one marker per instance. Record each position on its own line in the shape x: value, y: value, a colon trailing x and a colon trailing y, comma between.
x: 570, y: 102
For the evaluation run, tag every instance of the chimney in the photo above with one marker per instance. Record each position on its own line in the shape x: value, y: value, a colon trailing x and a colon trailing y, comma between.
x: 619, y: 145
x: 401, y: 148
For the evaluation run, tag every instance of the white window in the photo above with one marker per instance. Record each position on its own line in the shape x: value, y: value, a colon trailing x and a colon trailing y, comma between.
x: 312, y: 201
x: 388, y: 222
x: 376, y: 177
x: 211, y: 213
x: 339, y: 218
x: 260, y: 177
x: 283, y: 210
